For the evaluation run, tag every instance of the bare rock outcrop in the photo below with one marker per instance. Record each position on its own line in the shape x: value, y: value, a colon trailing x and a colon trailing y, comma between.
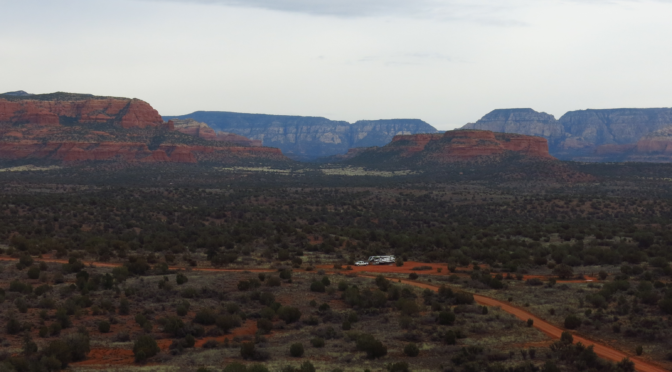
x: 458, y: 146
x: 308, y: 138
x: 68, y: 109
x: 78, y: 128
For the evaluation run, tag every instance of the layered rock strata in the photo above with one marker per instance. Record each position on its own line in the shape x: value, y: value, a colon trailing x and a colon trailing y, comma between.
x: 76, y: 128
x: 596, y: 135
x: 308, y: 138
x: 38, y: 109
x: 460, y: 145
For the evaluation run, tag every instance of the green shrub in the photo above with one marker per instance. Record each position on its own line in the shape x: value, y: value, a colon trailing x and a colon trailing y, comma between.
x: 181, y: 279
x: 235, y: 367
x: 572, y: 322
x: 33, y: 272
x: 296, y: 350
x: 398, y: 367
x: 124, y: 306
x: 104, y: 326
x: 206, y: 316
x: 307, y: 366
x: 373, y: 348
x: 446, y: 318
x: 289, y: 314
x: 317, y: 342
x: 317, y: 286
x: 227, y: 322
x: 145, y: 347
x: 264, y: 325
x: 412, y: 350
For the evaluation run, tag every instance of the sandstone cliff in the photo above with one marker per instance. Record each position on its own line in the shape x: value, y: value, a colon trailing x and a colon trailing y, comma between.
x: 522, y: 121
x: 458, y: 146
x: 74, y: 128
x: 202, y: 130
x: 64, y: 108
x: 596, y: 135
x: 308, y: 138
x: 655, y: 147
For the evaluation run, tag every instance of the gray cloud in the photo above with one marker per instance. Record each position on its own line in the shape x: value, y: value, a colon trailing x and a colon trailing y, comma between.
x: 482, y: 11
x: 340, y: 8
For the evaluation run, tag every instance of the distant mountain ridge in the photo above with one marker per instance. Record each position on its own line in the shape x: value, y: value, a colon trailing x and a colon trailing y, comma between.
x: 579, y: 135
x: 305, y: 137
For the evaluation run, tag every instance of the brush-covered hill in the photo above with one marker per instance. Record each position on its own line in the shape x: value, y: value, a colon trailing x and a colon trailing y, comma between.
x: 477, y: 152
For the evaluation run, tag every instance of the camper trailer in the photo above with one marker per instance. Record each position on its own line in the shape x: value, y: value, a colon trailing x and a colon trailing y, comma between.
x: 381, y: 260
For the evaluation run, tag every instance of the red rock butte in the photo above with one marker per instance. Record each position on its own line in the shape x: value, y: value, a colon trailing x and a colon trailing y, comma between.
x: 127, y: 113
x: 469, y: 144
x: 65, y: 127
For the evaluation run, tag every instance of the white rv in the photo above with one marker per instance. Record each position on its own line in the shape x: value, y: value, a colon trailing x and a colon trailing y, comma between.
x: 381, y: 260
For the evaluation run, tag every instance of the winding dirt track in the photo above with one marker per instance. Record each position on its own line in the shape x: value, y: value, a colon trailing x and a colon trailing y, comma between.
x: 554, y: 332
x: 603, y: 351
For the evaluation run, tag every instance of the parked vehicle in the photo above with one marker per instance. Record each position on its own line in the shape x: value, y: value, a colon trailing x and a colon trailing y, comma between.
x: 361, y: 263
x: 381, y: 260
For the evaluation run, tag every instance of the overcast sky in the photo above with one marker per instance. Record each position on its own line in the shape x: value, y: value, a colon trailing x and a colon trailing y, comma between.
x: 447, y: 62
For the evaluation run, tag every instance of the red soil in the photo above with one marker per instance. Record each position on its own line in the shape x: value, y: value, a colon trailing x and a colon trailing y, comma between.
x: 392, y: 269
x: 120, y: 356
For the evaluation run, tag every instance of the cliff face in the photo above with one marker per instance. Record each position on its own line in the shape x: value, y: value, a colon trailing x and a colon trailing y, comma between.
x: 458, y: 146
x: 202, y: 130
x: 308, y: 138
x: 655, y: 147
x: 595, y: 135
x: 522, y: 121
x: 53, y: 110
x: 74, y: 128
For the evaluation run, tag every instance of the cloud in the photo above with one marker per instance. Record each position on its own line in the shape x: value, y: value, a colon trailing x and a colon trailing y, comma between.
x: 485, y: 11
x: 339, y: 8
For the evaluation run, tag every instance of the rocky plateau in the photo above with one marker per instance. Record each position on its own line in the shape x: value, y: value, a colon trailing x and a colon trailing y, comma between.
x: 308, y: 138
x: 590, y: 135
x: 69, y: 127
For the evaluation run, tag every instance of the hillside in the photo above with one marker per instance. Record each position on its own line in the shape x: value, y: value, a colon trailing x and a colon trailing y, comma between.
x: 308, y: 138
x: 471, y: 154
x: 598, y: 135
x: 71, y: 127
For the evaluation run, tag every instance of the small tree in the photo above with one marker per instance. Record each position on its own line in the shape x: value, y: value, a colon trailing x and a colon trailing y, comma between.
x: 530, y: 322
x: 296, y: 350
x: 412, y: 350
x: 145, y: 347
x: 181, y: 279
x: 317, y: 286
x: 563, y: 271
x: 104, y: 326
x: 572, y: 322
x: 566, y: 338
x: 446, y: 318
x: 639, y: 350
x: 34, y: 272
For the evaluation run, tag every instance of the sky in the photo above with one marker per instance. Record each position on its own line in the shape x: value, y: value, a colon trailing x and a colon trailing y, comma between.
x: 448, y: 62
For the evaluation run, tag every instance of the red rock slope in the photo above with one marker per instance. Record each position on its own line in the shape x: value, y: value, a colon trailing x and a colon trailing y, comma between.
x: 460, y: 145
x: 73, y: 128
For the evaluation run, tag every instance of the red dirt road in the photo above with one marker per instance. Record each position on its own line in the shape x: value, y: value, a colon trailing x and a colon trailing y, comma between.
x: 603, y: 351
